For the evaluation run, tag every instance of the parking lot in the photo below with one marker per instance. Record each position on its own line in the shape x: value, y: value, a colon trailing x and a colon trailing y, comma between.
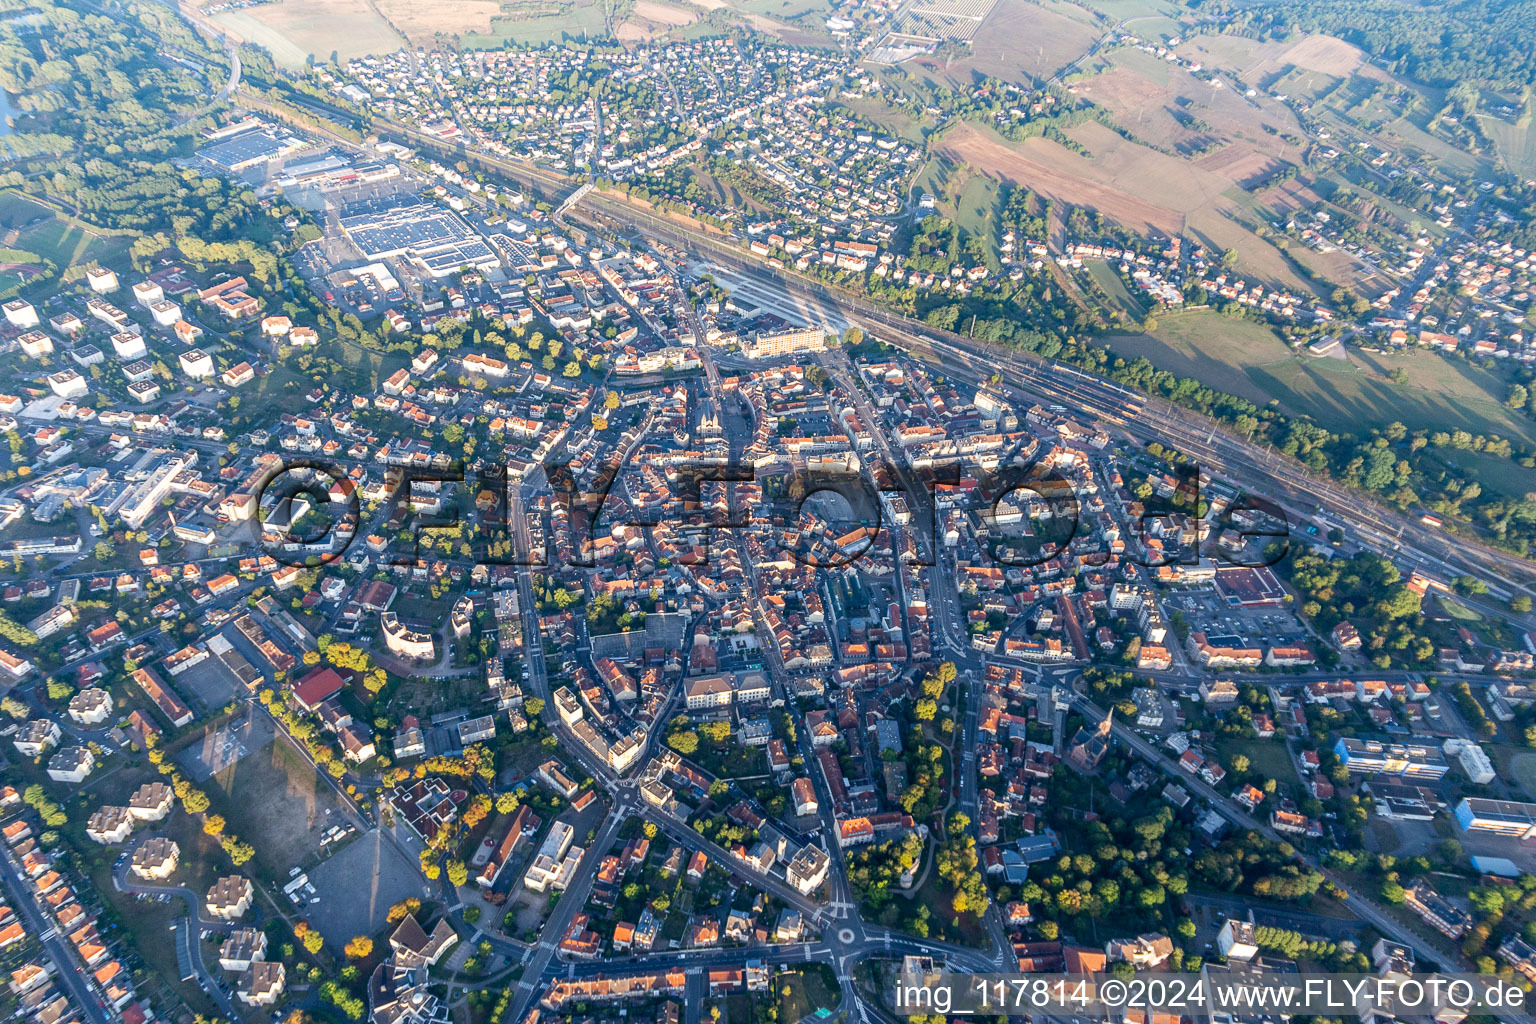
x: 356, y: 887
x: 1258, y: 627
x: 225, y: 746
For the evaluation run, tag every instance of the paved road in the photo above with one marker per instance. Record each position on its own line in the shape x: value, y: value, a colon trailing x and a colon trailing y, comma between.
x: 1212, y: 443
x: 70, y: 972
x: 1360, y: 905
x: 189, y: 930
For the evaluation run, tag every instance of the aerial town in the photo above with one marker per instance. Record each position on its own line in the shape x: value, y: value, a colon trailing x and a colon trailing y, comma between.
x: 597, y: 529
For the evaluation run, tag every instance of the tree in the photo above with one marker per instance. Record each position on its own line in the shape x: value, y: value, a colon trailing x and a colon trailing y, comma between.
x: 360, y: 948
x: 458, y: 874
x: 239, y: 851
x: 213, y: 824
x: 684, y: 741
x: 312, y: 940
x: 398, y: 912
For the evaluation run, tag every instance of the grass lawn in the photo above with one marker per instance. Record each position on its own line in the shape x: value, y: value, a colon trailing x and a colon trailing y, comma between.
x: 738, y: 1009
x: 1267, y: 757
x: 783, y: 9
x: 274, y: 393
x: 1387, y: 840
x: 729, y: 760
x: 148, y: 927
x: 424, y: 610
x: 59, y: 241
x: 1105, y: 277
x: 1522, y: 767
x: 1458, y: 611
x: 805, y: 991
x: 938, y: 897
x: 17, y: 210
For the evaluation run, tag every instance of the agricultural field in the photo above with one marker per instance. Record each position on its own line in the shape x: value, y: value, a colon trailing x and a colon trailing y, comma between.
x: 1515, y: 142
x: 1349, y: 394
x: 1020, y: 41
x: 1142, y: 189
x: 1307, y: 68
x: 545, y: 21
x: 1168, y: 108
x: 423, y: 22
x: 650, y: 19
x: 1344, y: 90
x: 292, y: 31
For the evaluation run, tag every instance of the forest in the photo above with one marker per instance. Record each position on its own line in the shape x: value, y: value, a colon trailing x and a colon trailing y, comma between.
x: 1487, y: 41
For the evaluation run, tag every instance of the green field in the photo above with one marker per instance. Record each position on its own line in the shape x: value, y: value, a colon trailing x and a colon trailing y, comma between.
x: 292, y: 32
x: 896, y: 121
x: 1120, y: 297
x: 1267, y: 757
x: 285, y: 52
x: 583, y: 20
x: 1492, y: 473
x: 1516, y: 144
x: 781, y: 9
x: 804, y: 991
x: 65, y: 244
x: 1246, y: 359
x: 1129, y: 9
x: 977, y: 207
x: 1523, y: 767
x: 16, y: 210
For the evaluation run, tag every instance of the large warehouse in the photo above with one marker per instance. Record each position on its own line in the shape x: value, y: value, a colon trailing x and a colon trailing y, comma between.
x: 434, y: 239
